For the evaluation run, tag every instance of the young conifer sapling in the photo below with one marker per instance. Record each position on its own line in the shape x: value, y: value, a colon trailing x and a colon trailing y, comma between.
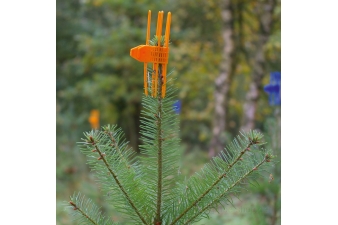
x: 148, y: 187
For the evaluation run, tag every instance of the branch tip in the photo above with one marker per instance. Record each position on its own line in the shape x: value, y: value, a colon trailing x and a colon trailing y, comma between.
x: 91, y: 139
x: 268, y: 157
x: 72, y: 203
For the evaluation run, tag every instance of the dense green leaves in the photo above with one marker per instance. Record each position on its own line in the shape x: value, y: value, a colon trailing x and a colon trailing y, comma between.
x: 149, y: 188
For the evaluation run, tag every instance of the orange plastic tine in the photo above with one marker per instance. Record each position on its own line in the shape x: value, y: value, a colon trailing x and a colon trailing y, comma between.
x: 166, y: 44
x: 159, y: 34
x: 148, y: 27
x: 167, y: 30
x: 145, y: 79
x: 155, y: 65
x: 145, y: 72
x: 164, y: 79
x: 153, y: 80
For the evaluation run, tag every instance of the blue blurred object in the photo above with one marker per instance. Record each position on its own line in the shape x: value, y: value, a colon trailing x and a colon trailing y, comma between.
x: 274, y: 88
x: 177, y: 106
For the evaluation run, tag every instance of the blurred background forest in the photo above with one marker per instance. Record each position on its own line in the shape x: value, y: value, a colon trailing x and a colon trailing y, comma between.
x: 223, y: 52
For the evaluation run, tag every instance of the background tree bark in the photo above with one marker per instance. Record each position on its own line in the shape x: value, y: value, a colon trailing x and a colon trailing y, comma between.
x: 264, y: 11
x: 222, y: 82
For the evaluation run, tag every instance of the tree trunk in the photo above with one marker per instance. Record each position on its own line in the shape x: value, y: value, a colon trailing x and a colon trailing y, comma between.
x: 222, y: 82
x: 265, y: 13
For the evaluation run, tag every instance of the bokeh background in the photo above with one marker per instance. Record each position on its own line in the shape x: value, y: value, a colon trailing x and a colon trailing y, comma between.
x: 223, y: 52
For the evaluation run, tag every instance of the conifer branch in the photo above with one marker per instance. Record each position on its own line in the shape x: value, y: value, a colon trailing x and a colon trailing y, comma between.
x: 86, y: 212
x: 102, y: 156
x: 82, y: 212
x: 215, y: 199
x: 239, y: 157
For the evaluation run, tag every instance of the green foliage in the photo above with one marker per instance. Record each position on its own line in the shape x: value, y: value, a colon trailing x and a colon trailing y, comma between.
x: 92, y: 46
x: 213, y: 185
x: 117, y: 172
x: 85, y: 212
x: 149, y: 188
x: 94, y: 70
x: 270, y: 190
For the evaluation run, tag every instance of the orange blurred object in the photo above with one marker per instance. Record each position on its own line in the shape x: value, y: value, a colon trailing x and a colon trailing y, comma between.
x: 94, y: 119
x: 158, y: 55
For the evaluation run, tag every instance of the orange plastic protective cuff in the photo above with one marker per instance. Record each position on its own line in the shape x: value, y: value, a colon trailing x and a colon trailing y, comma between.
x: 158, y: 55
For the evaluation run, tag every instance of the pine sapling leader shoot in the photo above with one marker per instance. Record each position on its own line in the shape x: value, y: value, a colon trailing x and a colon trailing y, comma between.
x: 147, y: 187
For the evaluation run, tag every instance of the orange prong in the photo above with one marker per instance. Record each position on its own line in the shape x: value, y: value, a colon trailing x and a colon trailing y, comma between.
x: 145, y: 76
x: 153, y: 91
x: 164, y: 80
x: 159, y: 27
x: 145, y: 79
x: 166, y: 44
x: 148, y: 28
x: 158, y: 19
x: 156, y: 79
x: 167, y: 30
x: 158, y: 34
x: 155, y: 65
x: 159, y: 37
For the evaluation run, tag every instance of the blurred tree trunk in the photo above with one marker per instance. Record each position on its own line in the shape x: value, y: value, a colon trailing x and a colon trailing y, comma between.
x: 222, y: 82
x: 264, y: 10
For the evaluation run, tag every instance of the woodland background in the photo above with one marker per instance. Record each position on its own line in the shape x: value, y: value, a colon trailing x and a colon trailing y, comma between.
x: 223, y: 52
